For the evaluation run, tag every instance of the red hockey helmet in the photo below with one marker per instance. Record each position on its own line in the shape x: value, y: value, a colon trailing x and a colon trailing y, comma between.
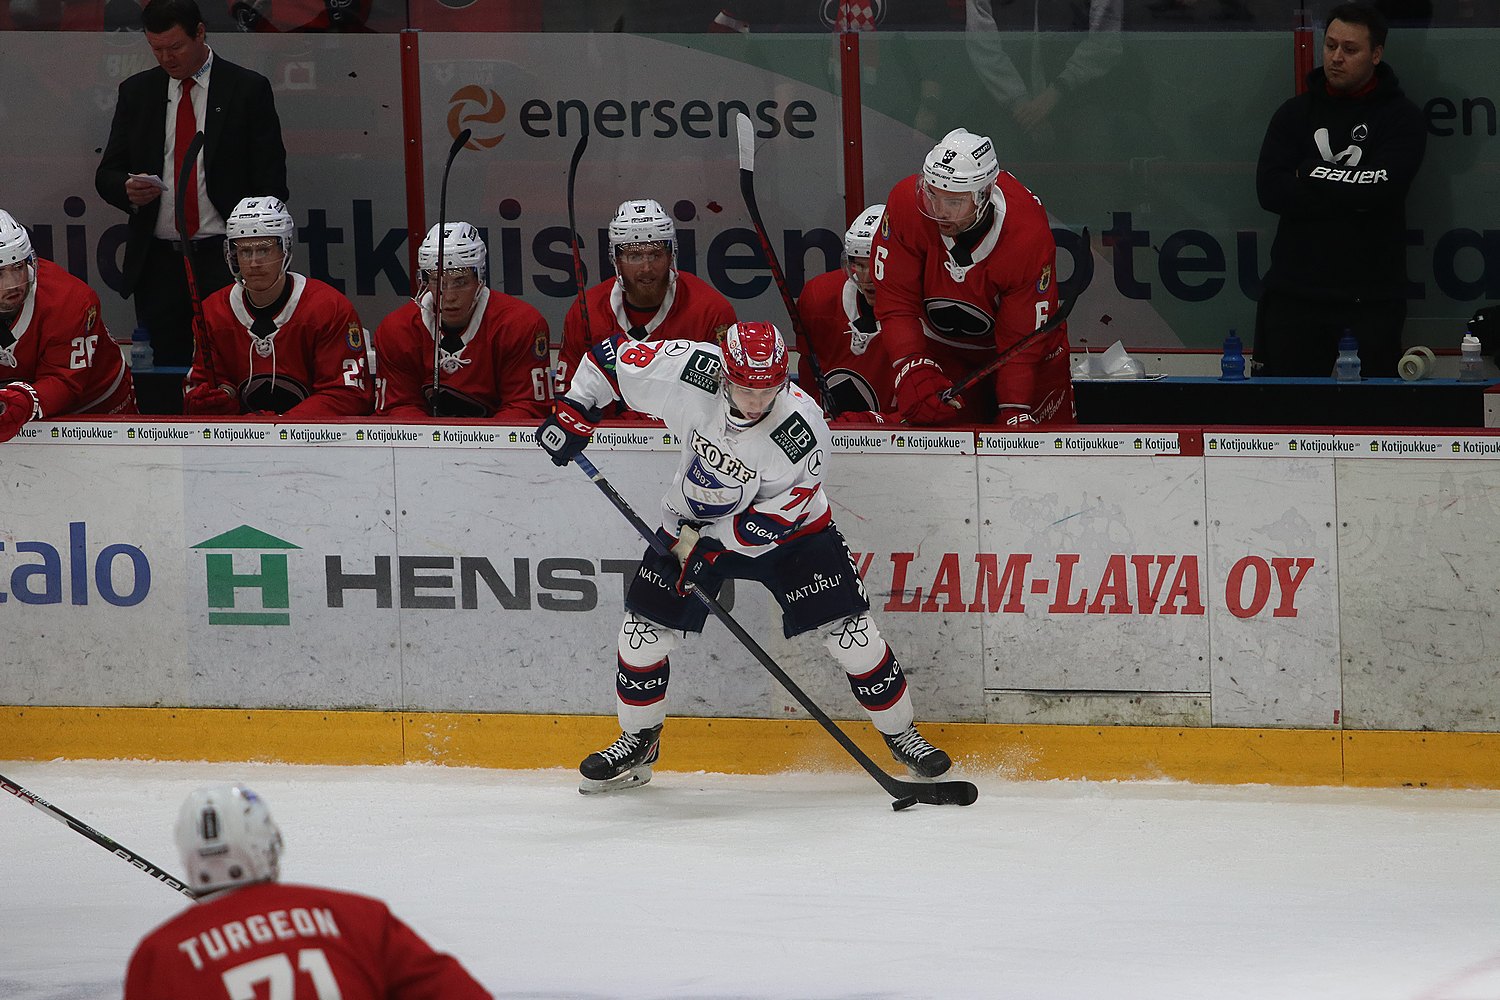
x: 755, y: 370
x: 755, y: 356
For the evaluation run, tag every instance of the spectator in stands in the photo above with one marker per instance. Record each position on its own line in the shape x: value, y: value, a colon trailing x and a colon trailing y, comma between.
x: 276, y: 342
x: 251, y: 935
x: 56, y: 357
x: 491, y: 351
x: 1336, y: 165
x: 837, y: 310
x: 648, y: 298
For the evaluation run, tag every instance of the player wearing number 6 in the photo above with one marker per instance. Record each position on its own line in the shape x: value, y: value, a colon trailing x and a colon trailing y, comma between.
x: 965, y: 267
x: 746, y: 503
x: 251, y: 937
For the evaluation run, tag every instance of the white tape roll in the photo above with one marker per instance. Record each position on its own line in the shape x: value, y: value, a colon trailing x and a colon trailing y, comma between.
x: 1415, y: 364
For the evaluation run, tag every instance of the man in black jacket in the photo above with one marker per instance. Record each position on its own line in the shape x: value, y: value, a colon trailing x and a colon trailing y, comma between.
x: 191, y: 89
x: 1336, y: 165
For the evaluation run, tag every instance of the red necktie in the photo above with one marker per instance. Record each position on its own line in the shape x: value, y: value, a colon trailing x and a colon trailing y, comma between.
x: 187, y: 127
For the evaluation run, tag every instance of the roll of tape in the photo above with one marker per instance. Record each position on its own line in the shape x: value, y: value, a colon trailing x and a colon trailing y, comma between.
x: 1415, y: 364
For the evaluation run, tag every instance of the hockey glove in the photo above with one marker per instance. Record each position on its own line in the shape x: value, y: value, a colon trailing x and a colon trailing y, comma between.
x: 858, y: 417
x: 920, y: 383
x: 697, y: 555
x: 18, y: 404
x: 566, y: 431
x: 211, y: 401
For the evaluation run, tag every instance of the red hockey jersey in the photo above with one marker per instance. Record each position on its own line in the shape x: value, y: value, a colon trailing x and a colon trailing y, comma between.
x: 499, y: 374
x: 860, y: 380
x: 260, y: 939
x: 960, y: 314
x: 692, y: 310
x: 309, y: 364
x: 62, y: 350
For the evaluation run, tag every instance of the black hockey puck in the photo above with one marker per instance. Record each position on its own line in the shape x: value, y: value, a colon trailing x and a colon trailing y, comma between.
x: 905, y: 803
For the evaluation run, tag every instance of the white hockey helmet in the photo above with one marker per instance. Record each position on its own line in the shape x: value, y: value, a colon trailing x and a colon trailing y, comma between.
x: 15, y: 248
x: 258, y: 217
x: 462, y: 247
x: 860, y: 235
x: 226, y: 837
x: 961, y: 163
x: 642, y: 221
x: 15, y: 242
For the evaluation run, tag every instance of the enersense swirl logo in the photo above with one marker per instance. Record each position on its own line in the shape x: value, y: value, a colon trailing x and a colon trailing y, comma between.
x: 479, y: 109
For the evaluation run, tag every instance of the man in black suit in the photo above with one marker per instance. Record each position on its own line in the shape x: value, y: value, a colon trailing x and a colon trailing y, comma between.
x: 242, y: 157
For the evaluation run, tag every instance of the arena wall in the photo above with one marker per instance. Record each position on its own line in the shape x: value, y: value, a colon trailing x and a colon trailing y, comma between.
x: 407, y: 586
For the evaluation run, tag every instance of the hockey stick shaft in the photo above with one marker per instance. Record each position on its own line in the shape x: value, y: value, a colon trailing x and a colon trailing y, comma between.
x: 459, y: 142
x: 579, y: 278
x: 200, y: 326
x: 1064, y: 306
x: 937, y: 793
x: 78, y: 826
x: 747, y: 192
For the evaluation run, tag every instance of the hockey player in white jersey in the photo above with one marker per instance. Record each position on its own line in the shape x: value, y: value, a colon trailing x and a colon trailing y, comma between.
x: 746, y: 502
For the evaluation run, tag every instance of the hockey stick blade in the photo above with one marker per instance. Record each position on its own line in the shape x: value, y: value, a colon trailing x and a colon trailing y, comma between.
x: 80, y: 827
x: 939, y: 793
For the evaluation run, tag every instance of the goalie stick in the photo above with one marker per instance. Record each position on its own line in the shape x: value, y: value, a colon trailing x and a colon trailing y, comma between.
x: 78, y: 826
x: 905, y: 793
x: 200, y: 327
x: 747, y: 191
x: 459, y: 142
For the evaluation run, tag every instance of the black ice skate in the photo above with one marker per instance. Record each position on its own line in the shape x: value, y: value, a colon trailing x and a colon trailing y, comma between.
x: 625, y: 763
x: 921, y: 758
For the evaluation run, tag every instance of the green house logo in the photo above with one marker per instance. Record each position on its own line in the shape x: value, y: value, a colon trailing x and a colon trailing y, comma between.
x: 358, y: 435
x: 224, y: 583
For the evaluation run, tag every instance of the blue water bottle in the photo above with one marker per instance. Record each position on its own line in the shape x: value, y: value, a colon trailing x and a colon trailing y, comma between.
x: 140, y: 350
x: 1233, y: 362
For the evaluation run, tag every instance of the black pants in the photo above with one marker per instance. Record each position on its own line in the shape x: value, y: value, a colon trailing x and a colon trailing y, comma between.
x: 162, y: 304
x: 1298, y: 338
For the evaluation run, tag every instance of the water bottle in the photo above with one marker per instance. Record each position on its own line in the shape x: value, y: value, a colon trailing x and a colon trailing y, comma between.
x: 1470, y: 363
x: 1233, y: 362
x: 140, y: 350
x: 1346, y: 367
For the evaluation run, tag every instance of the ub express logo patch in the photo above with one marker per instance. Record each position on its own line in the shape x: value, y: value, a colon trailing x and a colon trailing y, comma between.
x: 794, y: 437
x: 702, y: 371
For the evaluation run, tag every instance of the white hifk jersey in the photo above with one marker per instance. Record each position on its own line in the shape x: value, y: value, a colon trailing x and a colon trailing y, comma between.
x: 754, y: 487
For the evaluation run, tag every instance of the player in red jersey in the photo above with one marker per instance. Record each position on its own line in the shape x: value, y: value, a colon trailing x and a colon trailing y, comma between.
x: 276, y: 341
x: 56, y: 357
x: 838, y: 314
x: 492, y: 354
x: 965, y: 266
x: 648, y: 298
x: 250, y: 935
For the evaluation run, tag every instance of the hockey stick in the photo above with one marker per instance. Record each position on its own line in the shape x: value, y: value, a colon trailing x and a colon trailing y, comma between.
x: 1064, y: 306
x: 747, y: 191
x: 31, y: 798
x: 905, y: 793
x: 578, y: 277
x: 200, y: 330
x: 437, y: 293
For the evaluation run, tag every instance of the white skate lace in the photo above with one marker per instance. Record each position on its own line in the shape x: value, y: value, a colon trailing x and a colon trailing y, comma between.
x: 911, y: 743
x: 620, y: 748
